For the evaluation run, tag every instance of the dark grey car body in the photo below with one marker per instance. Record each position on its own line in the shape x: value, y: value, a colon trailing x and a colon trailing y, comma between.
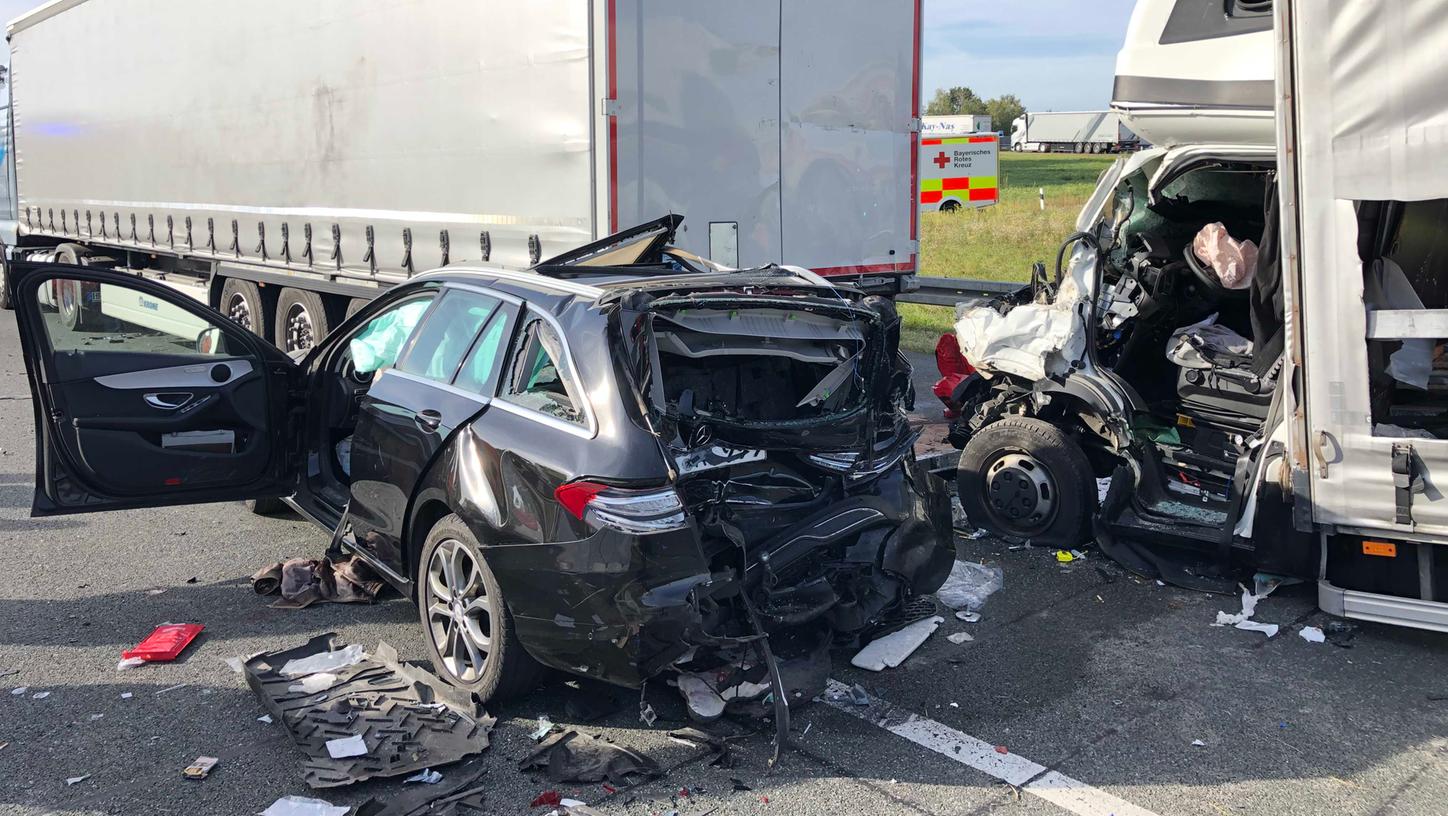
x: 820, y: 522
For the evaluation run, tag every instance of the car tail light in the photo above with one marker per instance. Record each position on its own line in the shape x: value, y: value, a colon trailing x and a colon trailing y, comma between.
x: 949, y: 359
x: 654, y: 510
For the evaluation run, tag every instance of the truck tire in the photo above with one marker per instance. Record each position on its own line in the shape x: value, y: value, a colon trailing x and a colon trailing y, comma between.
x: 1080, y: 148
x: 1027, y: 479
x: 241, y: 301
x: 354, y: 306
x: 301, y: 320
x: 455, y: 641
x: 5, y: 288
x: 77, y: 312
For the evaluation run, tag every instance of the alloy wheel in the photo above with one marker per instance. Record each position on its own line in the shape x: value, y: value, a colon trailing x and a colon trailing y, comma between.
x: 459, y: 610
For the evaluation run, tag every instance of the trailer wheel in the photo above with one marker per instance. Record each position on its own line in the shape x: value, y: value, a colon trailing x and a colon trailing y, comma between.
x: 77, y: 311
x: 242, y: 303
x: 354, y: 306
x: 1080, y: 148
x: 1027, y: 479
x: 301, y: 320
x: 5, y: 288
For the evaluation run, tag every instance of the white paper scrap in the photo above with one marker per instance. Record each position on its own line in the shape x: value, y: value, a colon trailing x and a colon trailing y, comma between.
x: 346, y: 747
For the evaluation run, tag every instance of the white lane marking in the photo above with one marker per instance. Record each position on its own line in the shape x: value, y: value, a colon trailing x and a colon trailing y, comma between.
x: 1033, y: 778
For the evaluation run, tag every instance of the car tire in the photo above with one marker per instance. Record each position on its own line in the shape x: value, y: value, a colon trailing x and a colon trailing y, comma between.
x: 1026, y: 479
x: 242, y: 303
x: 301, y: 320
x: 507, y: 670
x: 266, y: 507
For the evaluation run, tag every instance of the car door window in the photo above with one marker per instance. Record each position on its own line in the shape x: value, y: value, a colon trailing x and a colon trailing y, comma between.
x: 447, y: 333
x: 479, y: 373
x: 379, y: 343
x: 86, y: 316
x: 541, y: 378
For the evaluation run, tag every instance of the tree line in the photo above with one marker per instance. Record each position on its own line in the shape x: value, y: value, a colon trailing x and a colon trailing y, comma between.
x: 961, y: 101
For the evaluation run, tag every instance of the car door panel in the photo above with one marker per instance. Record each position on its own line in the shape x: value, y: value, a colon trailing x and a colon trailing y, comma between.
x: 410, y: 414
x: 135, y: 415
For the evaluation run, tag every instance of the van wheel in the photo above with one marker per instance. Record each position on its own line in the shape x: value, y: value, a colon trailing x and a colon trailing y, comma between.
x: 1027, y: 479
x: 465, y: 620
x: 242, y: 303
x: 301, y: 320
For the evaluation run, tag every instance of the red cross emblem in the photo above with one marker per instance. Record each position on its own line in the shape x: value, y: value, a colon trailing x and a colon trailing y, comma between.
x: 941, y: 160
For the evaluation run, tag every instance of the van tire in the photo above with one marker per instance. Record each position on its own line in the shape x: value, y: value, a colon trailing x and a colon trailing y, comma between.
x: 242, y: 303
x: 508, y: 671
x: 301, y: 320
x: 1030, y: 467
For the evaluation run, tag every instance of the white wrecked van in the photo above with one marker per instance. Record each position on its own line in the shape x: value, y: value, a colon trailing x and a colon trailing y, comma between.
x: 1247, y: 341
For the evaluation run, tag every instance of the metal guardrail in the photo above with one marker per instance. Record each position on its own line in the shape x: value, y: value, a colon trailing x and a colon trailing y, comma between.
x: 950, y: 291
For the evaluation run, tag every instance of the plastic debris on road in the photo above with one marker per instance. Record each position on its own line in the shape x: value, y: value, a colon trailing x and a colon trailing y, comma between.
x: 549, y: 798
x: 703, y: 701
x: 265, y: 718
x: 1243, y: 619
x: 412, y: 720
x: 969, y: 585
x: 166, y: 642
x: 40, y: 695
x: 427, y: 776
x: 325, y: 661
x: 893, y: 649
x: 16, y: 692
x: 1312, y: 634
x: 344, y: 747
x: 236, y: 664
x: 959, y: 637
x: 76, y: 780
x: 568, y: 756
x: 314, y: 683
x: 1064, y: 557
x: 200, y: 767
x: 130, y: 663
x: 303, y: 806
x: 1198, y: 744
x: 968, y: 617
x: 544, y: 726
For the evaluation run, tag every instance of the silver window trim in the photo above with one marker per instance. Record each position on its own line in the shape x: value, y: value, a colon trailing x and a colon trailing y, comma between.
x: 452, y: 389
x: 191, y: 375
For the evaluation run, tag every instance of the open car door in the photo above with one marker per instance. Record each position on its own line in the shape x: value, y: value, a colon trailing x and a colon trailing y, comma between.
x: 146, y: 398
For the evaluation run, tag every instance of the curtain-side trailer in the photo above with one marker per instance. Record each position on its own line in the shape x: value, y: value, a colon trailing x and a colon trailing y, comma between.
x: 287, y: 159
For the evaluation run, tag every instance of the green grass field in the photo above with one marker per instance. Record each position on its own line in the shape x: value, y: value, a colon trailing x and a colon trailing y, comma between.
x: 1001, y: 242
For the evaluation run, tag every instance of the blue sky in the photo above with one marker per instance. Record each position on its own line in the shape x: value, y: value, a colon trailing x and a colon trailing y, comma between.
x: 1053, y: 54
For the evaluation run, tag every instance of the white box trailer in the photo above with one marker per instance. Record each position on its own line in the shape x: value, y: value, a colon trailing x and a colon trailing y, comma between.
x: 1072, y: 132
x: 934, y: 127
x: 285, y: 156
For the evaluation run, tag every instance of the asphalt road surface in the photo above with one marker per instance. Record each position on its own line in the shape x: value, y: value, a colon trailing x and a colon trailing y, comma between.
x: 1096, y: 685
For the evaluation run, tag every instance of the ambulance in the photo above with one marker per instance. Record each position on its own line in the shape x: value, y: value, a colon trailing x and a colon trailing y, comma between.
x: 958, y: 172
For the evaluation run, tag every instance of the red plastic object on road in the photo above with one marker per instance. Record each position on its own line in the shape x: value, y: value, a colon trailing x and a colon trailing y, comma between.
x: 953, y: 368
x: 165, y: 643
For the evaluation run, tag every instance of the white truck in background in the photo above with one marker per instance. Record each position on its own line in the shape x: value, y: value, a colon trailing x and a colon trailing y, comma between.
x: 286, y: 160
x: 1072, y: 132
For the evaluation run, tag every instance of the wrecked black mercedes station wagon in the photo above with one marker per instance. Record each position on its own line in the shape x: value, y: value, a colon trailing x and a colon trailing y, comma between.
x: 622, y: 462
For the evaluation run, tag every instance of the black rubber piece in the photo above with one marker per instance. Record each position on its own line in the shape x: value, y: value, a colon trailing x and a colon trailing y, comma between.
x: 267, y: 507
x: 1062, y: 458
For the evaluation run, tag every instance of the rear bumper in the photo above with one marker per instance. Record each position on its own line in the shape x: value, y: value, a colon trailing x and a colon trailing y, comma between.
x: 1349, y: 603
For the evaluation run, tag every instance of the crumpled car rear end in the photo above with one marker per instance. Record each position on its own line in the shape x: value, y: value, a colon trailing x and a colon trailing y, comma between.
x: 807, y: 523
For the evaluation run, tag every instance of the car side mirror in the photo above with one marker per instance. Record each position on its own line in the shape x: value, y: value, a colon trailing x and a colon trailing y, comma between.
x: 211, y: 341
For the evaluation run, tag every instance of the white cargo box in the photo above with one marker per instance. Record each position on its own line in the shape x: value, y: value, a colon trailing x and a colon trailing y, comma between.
x: 370, y: 140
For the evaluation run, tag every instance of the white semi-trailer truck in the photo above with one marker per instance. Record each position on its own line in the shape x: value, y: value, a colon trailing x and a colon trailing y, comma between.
x: 287, y: 159
x: 1072, y: 132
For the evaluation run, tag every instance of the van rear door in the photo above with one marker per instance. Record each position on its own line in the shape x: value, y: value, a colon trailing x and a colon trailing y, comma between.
x: 1364, y: 149
x: 784, y: 131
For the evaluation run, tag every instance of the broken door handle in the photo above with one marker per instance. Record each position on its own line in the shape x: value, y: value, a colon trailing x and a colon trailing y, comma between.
x: 429, y: 419
x: 167, y: 401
